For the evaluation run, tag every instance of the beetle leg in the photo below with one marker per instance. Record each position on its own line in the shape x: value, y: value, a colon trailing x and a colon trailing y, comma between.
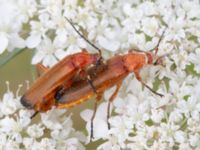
x: 111, y: 100
x: 84, y: 75
x: 41, y: 69
x: 137, y: 75
x: 81, y: 75
x: 98, y: 66
x: 161, y: 95
x: 98, y: 98
x: 91, y: 84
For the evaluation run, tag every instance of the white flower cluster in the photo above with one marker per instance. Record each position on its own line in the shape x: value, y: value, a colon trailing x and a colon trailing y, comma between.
x: 142, y: 120
x: 13, y: 15
x: 50, y: 131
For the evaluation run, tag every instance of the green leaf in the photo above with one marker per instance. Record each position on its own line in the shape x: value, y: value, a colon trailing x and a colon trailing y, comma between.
x: 7, y: 56
x: 190, y: 70
x: 150, y: 142
x: 149, y: 122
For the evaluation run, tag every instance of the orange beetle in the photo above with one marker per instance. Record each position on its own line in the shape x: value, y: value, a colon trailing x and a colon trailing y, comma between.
x: 114, y: 71
x: 41, y: 95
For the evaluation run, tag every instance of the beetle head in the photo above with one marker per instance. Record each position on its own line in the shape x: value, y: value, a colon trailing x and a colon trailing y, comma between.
x: 153, y: 59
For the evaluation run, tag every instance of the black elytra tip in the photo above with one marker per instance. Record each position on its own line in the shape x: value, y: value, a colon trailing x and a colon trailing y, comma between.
x: 25, y: 103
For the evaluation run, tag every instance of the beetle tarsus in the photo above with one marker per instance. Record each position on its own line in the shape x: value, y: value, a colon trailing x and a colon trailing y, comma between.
x: 91, y: 132
x: 92, y: 121
x: 111, y: 100
x: 161, y: 95
x: 108, y: 114
x: 98, y: 98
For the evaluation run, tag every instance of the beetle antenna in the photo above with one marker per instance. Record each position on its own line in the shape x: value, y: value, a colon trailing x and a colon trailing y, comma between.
x: 153, y: 49
x: 34, y: 114
x: 161, y: 57
x: 156, y: 47
x: 81, y: 35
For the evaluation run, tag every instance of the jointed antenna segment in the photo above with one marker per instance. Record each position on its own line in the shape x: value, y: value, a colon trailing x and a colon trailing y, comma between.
x: 156, y: 47
x: 72, y: 24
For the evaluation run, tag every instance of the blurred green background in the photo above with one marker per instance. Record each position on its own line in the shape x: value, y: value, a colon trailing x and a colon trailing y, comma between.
x: 19, y: 69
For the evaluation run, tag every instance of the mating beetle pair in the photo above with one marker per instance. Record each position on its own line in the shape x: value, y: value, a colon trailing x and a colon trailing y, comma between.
x: 82, y: 75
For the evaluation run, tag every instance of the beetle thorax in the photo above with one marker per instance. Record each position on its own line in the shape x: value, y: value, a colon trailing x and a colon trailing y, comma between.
x: 135, y: 61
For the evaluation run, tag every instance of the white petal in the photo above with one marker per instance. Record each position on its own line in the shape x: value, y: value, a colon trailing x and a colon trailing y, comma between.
x: 82, y: 43
x: 198, y: 107
x: 127, y: 9
x: 16, y: 42
x: 33, y: 40
x: 49, y: 60
x: 60, y: 40
x: 86, y: 115
x: 150, y: 26
x: 24, y: 118
x: 60, y: 54
x: 118, y: 102
x: 7, y: 124
x: 4, y: 43
x: 180, y: 136
x: 194, y: 139
x: 73, y: 49
x: 100, y: 128
x: 28, y: 142
x: 102, y: 111
x: 108, y: 44
x: 35, y: 131
x: 38, y: 57
x: 108, y: 93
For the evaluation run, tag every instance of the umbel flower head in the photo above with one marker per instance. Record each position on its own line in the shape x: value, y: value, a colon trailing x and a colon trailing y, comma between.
x: 52, y: 130
x: 139, y: 119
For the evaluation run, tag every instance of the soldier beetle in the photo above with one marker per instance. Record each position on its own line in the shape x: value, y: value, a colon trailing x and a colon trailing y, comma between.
x: 73, y: 81
x: 54, y: 81
x: 112, y: 73
x: 42, y: 93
